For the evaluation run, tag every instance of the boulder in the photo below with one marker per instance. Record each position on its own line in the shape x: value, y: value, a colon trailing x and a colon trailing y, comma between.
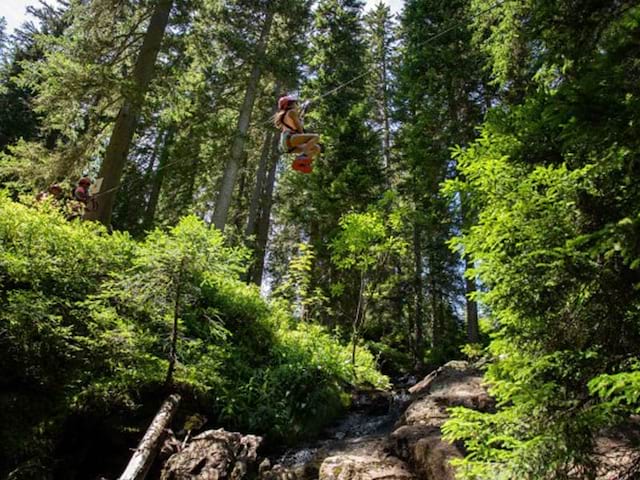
x: 213, y: 455
x: 450, y: 370
x: 456, y: 383
x: 616, y: 452
x: 423, y: 447
x: 403, y: 439
x: 359, y: 467
x: 277, y: 472
x: 417, y: 438
x: 425, y: 411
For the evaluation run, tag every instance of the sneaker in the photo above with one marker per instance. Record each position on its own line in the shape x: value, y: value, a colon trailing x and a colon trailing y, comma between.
x: 302, y: 163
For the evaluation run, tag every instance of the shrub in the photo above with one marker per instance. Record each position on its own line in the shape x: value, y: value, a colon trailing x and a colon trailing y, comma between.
x: 86, y: 328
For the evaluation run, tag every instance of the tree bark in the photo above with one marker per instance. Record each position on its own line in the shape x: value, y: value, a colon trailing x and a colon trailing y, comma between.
x: 473, y: 335
x: 264, y: 220
x: 221, y: 210
x: 127, y: 119
x: 436, y: 318
x: 242, y: 184
x: 158, y: 178
x: 418, y: 289
x: 148, y: 447
x: 386, y: 139
x: 358, y: 320
x: 190, y: 188
x: 173, y: 354
x: 261, y: 175
x: 261, y: 179
x: 404, y: 292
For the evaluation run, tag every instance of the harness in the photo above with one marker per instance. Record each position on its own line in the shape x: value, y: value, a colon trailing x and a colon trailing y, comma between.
x: 285, y: 136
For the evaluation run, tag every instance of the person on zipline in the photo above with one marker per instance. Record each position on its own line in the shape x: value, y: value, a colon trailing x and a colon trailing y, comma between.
x: 293, y: 138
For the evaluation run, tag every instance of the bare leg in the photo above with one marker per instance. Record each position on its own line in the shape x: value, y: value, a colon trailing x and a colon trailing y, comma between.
x: 306, y: 143
x: 311, y: 145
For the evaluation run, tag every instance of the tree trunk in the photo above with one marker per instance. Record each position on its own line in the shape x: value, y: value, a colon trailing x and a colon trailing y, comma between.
x: 473, y: 335
x: 221, y: 210
x: 264, y: 220
x: 418, y: 290
x: 436, y: 323
x: 242, y: 184
x: 386, y: 139
x: 173, y: 353
x: 125, y: 125
x: 190, y: 189
x: 148, y: 447
x: 358, y: 320
x: 258, y: 189
x: 158, y: 178
x: 400, y: 302
x: 261, y: 175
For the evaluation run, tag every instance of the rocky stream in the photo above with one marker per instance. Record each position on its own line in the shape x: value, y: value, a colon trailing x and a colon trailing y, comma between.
x: 386, y: 435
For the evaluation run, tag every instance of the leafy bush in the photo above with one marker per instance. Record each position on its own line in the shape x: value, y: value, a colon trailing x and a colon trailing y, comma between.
x: 87, y: 324
x: 558, y: 264
x: 553, y: 179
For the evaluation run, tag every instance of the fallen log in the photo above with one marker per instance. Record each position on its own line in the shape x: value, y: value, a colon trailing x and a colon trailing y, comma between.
x: 147, y: 449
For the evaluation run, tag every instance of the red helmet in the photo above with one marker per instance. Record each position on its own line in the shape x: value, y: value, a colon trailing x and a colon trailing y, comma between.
x: 84, y: 181
x: 286, y: 101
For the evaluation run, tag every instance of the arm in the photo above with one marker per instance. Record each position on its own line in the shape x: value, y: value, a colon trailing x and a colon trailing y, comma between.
x: 304, y: 107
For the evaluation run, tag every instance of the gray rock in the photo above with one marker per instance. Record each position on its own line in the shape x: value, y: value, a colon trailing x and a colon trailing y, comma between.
x: 417, y: 438
x: 213, y: 455
x: 456, y: 383
x: 358, y: 467
x: 424, y: 411
x: 422, y: 446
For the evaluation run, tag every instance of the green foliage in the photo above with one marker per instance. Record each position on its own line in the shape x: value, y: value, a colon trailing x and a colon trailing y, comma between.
x: 299, y: 389
x: 472, y: 351
x: 86, y: 324
x: 392, y: 358
x: 543, y: 197
x: 442, y: 94
x: 54, y: 351
x: 296, y: 286
x: 552, y: 299
x: 366, y: 240
x: 555, y: 245
x: 619, y: 392
x: 18, y: 120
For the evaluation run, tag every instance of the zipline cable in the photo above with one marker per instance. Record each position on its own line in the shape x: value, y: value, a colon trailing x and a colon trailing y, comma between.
x: 426, y: 42
x: 457, y: 24
x: 113, y: 189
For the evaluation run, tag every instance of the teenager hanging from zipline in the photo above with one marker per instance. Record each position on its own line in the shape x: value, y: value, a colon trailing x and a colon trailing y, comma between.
x: 293, y: 138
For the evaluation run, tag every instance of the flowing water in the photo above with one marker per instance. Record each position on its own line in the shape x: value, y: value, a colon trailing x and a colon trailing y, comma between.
x: 363, y: 431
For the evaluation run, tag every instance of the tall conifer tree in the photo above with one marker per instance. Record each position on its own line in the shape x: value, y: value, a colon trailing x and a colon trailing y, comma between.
x: 441, y: 98
x: 380, y: 32
x: 127, y: 119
